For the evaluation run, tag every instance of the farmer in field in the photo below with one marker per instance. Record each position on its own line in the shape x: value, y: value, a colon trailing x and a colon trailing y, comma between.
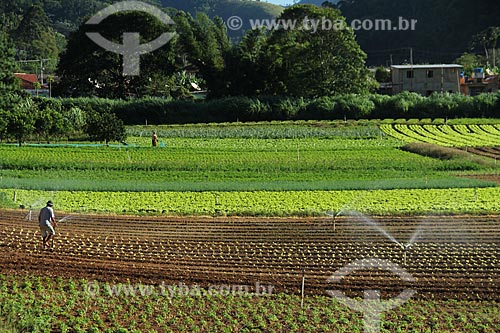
x: 154, y: 139
x: 47, y: 221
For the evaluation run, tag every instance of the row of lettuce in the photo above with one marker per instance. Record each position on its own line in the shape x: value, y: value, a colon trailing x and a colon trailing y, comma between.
x: 265, y: 203
x: 104, y: 119
x: 234, y: 164
x: 446, y: 135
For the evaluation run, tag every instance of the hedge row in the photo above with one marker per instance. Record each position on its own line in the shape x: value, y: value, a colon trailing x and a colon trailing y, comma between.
x: 405, y: 105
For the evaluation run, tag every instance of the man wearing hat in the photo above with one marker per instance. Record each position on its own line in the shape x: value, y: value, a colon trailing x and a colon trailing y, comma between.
x: 46, y: 218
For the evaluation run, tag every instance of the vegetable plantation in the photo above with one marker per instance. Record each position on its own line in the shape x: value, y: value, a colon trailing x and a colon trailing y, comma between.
x: 447, y: 135
x: 269, y: 203
x: 108, y: 273
x: 341, y: 162
x: 157, y: 239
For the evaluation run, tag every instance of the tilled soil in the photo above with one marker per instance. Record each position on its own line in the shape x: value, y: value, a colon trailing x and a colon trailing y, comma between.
x: 449, y: 256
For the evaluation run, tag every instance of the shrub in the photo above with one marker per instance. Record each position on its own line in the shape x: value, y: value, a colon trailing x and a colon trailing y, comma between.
x: 105, y: 127
x: 403, y: 105
x: 485, y: 105
x: 354, y: 106
x: 406, y: 105
x: 322, y: 108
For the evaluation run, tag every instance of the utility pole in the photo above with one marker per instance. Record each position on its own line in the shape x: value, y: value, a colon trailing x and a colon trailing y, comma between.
x: 41, y: 72
x: 41, y: 65
x: 412, y: 71
x: 442, y: 79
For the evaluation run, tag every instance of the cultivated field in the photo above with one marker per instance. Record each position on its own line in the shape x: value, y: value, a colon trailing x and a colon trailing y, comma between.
x: 450, y: 257
x: 158, y: 239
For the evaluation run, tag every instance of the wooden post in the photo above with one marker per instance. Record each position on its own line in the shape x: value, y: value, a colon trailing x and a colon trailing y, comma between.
x: 302, y: 288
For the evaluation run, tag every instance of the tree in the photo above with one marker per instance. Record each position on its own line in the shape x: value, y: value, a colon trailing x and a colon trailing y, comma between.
x: 10, y: 89
x: 244, y: 73
x: 21, y: 122
x: 15, y: 113
x: 86, y: 69
x: 49, y: 119
x: 470, y: 61
x: 203, y: 43
x: 105, y: 127
x: 301, y: 61
x: 37, y: 86
x: 488, y: 39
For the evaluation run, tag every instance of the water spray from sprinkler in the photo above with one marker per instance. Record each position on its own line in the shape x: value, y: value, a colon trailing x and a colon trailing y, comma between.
x: 66, y: 218
x: 29, y: 216
x: 334, y: 216
x: 405, y: 248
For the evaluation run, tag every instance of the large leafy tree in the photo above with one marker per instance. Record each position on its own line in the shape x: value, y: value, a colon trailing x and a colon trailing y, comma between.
x: 86, y: 69
x: 203, y: 43
x: 488, y: 40
x: 312, y: 63
x: 300, y: 61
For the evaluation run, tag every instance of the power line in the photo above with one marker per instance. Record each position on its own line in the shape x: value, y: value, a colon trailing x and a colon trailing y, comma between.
x: 41, y: 61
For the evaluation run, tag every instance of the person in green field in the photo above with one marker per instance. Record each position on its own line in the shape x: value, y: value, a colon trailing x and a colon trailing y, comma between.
x: 154, y: 139
x: 47, y: 220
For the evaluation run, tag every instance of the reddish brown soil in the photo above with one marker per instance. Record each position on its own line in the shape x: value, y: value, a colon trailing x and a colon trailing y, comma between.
x: 491, y: 152
x: 453, y: 256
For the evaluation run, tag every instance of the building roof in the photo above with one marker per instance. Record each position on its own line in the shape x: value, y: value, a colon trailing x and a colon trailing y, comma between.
x: 31, y: 78
x: 434, y: 66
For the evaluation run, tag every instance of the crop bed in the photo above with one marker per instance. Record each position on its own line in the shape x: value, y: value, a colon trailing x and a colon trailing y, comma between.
x: 492, y: 152
x: 446, y: 135
x: 452, y: 257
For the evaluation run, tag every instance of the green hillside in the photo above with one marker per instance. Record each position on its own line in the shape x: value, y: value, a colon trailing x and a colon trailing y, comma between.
x: 246, y: 10
x: 65, y: 16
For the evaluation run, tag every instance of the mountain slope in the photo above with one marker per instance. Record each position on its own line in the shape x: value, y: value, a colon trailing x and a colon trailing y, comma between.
x: 317, y: 2
x: 246, y: 10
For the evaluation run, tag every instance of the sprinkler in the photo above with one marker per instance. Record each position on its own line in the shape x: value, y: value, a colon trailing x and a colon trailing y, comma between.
x: 334, y: 216
x: 405, y: 251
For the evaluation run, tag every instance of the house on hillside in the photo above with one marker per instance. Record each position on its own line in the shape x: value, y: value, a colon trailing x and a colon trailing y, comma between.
x: 29, y: 82
x: 426, y: 79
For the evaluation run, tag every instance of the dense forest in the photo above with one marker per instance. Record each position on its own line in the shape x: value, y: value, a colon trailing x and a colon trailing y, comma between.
x: 445, y: 29
x: 444, y: 32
